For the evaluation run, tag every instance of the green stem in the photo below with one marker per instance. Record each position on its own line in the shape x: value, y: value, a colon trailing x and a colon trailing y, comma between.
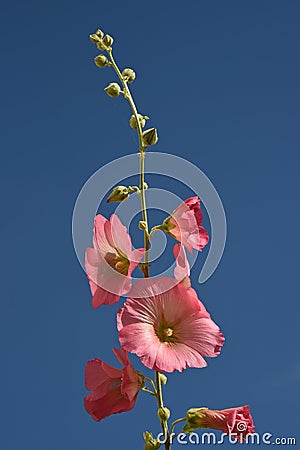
x: 149, y: 391
x: 152, y: 384
x: 143, y: 148
x: 160, y: 402
x: 142, y: 153
x: 183, y: 419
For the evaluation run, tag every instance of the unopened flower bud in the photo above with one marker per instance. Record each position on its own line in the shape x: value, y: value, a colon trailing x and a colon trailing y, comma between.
x: 108, y: 40
x: 142, y: 225
x: 226, y: 420
x: 151, y: 443
x: 100, y: 61
x: 94, y: 38
x: 119, y: 194
x: 150, y: 137
x: 99, y: 33
x: 194, y: 417
x: 163, y: 413
x: 100, y: 45
x: 113, y: 90
x: 142, y: 120
x: 129, y: 75
x: 163, y: 379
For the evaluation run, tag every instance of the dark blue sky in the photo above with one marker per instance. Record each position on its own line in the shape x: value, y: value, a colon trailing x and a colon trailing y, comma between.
x: 220, y: 80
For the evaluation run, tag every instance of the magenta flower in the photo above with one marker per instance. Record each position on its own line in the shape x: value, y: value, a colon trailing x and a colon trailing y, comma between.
x: 184, y: 224
x: 167, y: 326
x: 236, y: 422
x: 113, y: 390
x: 110, y: 263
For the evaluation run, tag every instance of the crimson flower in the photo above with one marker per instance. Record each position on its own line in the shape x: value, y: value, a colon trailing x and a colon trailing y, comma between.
x: 236, y: 422
x: 110, y: 263
x: 184, y: 224
x: 113, y: 390
x: 167, y: 326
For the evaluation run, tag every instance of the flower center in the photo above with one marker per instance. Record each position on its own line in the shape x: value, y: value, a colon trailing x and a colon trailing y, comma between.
x: 165, y: 332
x: 168, y: 332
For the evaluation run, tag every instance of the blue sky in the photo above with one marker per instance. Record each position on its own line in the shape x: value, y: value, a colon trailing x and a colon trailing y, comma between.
x: 220, y: 81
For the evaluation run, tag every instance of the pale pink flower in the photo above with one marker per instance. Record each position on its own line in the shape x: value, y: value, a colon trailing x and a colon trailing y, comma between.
x: 113, y: 390
x: 182, y: 268
x: 167, y: 326
x: 184, y: 224
x: 236, y: 422
x: 110, y: 263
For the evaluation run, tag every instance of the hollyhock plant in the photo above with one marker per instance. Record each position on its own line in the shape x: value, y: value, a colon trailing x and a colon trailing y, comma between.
x: 184, y: 224
x: 110, y: 263
x: 169, y: 331
x: 236, y: 422
x: 162, y: 320
x: 113, y: 390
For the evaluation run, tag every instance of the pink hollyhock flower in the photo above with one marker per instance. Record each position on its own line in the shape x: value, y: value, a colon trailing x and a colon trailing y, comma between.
x: 167, y: 326
x: 113, y: 390
x: 182, y: 268
x: 110, y: 263
x: 236, y: 422
x: 184, y: 224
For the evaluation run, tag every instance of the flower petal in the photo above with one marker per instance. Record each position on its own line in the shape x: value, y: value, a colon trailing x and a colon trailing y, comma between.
x: 103, y: 297
x: 97, y: 372
x: 120, y: 237
x: 182, y: 268
x: 112, y: 403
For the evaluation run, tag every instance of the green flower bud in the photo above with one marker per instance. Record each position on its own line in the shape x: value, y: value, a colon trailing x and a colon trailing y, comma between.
x: 108, y: 40
x: 163, y: 413
x: 142, y: 225
x: 113, y: 90
x: 151, y: 443
x: 128, y: 75
x: 193, y: 419
x: 94, y: 38
x: 119, y: 194
x: 150, y: 137
x: 163, y: 379
x: 100, y: 45
x: 100, y: 61
x: 99, y: 33
x: 142, y: 120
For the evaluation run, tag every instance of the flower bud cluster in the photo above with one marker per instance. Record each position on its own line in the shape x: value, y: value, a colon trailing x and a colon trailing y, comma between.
x: 103, y: 41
